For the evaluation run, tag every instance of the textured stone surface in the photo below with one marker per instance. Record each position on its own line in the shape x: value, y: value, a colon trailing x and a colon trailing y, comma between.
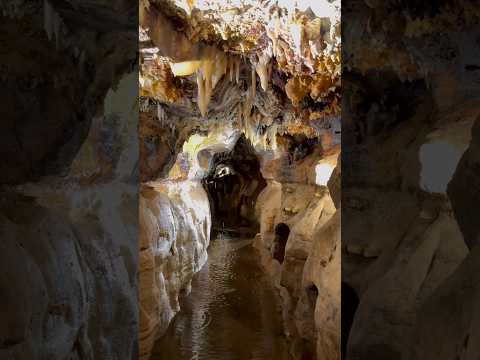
x: 174, y: 235
x: 311, y: 261
x: 321, y: 290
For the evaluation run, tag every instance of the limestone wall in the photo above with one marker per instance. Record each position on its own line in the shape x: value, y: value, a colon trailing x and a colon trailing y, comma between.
x: 311, y: 259
x: 174, y: 235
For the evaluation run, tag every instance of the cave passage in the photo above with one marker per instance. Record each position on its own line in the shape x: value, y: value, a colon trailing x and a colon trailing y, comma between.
x: 232, y: 312
x: 233, y: 185
x: 350, y: 303
x: 282, y: 231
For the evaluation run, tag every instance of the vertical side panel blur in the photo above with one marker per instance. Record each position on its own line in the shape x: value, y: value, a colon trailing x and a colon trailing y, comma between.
x: 68, y: 180
x: 410, y: 170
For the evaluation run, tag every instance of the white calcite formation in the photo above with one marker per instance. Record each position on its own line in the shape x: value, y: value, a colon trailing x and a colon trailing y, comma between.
x: 174, y: 235
x: 175, y: 223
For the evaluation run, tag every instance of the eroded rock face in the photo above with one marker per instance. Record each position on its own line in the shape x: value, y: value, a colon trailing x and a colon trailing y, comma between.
x: 298, y: 243
x: 455, y: 299
x: 321, y: 277
x: 175, y: 228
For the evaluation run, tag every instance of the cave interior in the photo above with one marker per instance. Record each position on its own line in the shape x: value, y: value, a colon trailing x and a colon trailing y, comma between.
x: 233, y: 184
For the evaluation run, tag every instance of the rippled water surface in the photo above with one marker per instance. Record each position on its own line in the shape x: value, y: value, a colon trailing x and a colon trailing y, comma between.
x: 232, y: 312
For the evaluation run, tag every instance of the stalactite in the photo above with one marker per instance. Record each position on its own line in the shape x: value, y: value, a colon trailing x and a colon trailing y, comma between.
x: 254, y: 83
x: 161, y: 115
x: 185, y: 68
x: 51, y: 23
x: 296, y: 30
x: 263, y: 70
x: 210, y: 69
x: 219, y: 68
x: 231, y: 67
x: 237, y: 70
x: 274, y: 35
x: 47, y: 19
x: 201, y: 94
x: 56, y: 30
x: 273, y: 136
x: 81, y: 60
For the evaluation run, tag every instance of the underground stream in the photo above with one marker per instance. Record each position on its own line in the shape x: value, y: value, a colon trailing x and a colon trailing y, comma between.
x: 232, y: 312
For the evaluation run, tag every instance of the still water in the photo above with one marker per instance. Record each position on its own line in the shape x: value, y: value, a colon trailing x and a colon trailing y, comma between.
x: 232, y: 312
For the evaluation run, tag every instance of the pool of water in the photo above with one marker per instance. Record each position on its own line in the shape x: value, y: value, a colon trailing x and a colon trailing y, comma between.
x: 232, y: 312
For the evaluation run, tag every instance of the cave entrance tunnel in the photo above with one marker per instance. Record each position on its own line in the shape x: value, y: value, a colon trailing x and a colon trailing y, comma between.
x: 350, y: 303
x: 233, y: 185
x: 282, y: 231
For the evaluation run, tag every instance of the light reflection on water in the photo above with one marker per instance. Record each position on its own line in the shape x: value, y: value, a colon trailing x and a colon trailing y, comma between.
x: 232, y: 312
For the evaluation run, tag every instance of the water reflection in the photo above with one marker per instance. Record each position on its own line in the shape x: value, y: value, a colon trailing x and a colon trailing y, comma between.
x: 231, y: 314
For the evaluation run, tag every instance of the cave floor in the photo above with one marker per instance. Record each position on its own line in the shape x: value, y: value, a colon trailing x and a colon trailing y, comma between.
x: 232, y: 312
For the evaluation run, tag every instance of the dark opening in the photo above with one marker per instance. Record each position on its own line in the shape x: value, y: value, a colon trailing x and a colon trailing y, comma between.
x: 282, y: 231
x: 233, y: 185
x: 308, y: 350
x: 312, y: 294
x: 349, y: 307
x: 298, y: 146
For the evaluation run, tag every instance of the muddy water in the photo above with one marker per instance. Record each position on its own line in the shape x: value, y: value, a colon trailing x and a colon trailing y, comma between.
x: 232, y: 312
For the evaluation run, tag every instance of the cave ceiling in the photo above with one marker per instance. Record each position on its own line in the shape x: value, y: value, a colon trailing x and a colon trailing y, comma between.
x: 200, y: 60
